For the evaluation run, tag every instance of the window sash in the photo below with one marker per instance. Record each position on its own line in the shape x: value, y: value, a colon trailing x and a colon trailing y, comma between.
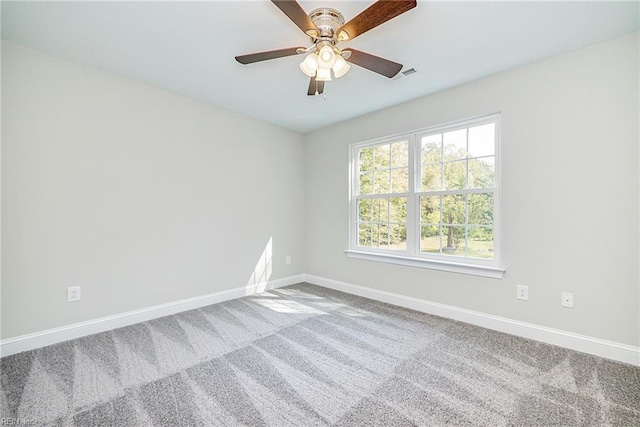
x: 415, y: 192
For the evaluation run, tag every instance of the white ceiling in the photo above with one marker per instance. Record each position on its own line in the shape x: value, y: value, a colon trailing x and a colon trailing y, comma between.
x: 189, y: 47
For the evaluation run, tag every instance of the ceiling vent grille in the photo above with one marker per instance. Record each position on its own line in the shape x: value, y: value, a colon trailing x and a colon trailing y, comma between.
x: 405, y: 73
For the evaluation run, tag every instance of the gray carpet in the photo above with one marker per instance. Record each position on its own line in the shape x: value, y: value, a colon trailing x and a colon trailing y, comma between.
x: 309, y: 356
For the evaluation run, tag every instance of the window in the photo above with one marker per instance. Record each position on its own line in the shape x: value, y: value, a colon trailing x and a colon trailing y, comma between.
x: 429, y: 198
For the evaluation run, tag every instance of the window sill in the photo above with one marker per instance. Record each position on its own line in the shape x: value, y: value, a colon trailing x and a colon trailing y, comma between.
x: 454, y: 267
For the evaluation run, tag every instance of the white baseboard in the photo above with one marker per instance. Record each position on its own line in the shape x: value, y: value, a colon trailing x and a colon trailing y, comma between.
x: 78, y: 330
x: 596, y: 346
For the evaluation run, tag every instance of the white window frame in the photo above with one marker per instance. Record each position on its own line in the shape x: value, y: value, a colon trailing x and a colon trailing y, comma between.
x: 412, y: 256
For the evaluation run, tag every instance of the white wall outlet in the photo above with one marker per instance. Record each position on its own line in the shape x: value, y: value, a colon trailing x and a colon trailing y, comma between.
x: 567, y: 299
x: 287, y: 259
x: 522, y: 292
x: 73, y: 293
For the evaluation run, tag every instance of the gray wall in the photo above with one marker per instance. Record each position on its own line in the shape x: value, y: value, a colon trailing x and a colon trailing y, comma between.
x: 569, y: 193
x: 138, y: 195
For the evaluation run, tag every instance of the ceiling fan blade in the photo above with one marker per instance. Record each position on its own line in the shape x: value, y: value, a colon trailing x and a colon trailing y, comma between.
x: 376, y: 14
x: 250, y: 58
x: 374, y: 63
x: 315, y: 87
x: 296, y: 13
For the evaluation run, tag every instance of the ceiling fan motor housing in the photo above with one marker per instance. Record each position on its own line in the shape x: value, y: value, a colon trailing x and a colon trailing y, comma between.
x: 328, y: 21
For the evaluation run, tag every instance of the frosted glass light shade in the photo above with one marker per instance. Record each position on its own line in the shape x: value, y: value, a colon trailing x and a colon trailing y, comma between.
x: 326, y: 57
x: 324, y: 74
x: 341, y: 67
x: 310, y: 65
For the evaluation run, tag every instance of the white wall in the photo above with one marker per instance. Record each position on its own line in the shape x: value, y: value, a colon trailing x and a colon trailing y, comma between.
x: 569, y: 191
x: 138, y: 195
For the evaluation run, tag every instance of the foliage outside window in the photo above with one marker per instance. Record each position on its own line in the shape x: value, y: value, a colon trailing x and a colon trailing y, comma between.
x: 430, y: 194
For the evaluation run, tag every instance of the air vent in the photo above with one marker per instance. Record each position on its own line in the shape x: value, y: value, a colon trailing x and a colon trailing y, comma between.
x: 405, y: 73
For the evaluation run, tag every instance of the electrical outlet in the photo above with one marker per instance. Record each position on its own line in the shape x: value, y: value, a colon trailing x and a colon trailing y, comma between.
x: 522, y: 292
x: 567, y: 299
x: 73, y: 293
x: 287, y: 259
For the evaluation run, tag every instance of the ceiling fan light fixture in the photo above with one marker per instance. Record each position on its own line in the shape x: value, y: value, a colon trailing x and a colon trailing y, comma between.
x: 310, y: 65
x: 323, y: 75
x: 341, y: 67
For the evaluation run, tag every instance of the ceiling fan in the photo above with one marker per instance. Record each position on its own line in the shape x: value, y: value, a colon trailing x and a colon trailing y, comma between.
x: 326, y: 28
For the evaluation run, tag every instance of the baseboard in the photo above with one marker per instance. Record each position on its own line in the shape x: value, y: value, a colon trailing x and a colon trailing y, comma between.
x: 596, y: 346
x: 53, y: 336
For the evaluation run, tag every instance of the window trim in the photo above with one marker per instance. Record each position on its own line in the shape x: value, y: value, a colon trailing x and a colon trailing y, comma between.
x: 432, y: 264
x: 412, y: 256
